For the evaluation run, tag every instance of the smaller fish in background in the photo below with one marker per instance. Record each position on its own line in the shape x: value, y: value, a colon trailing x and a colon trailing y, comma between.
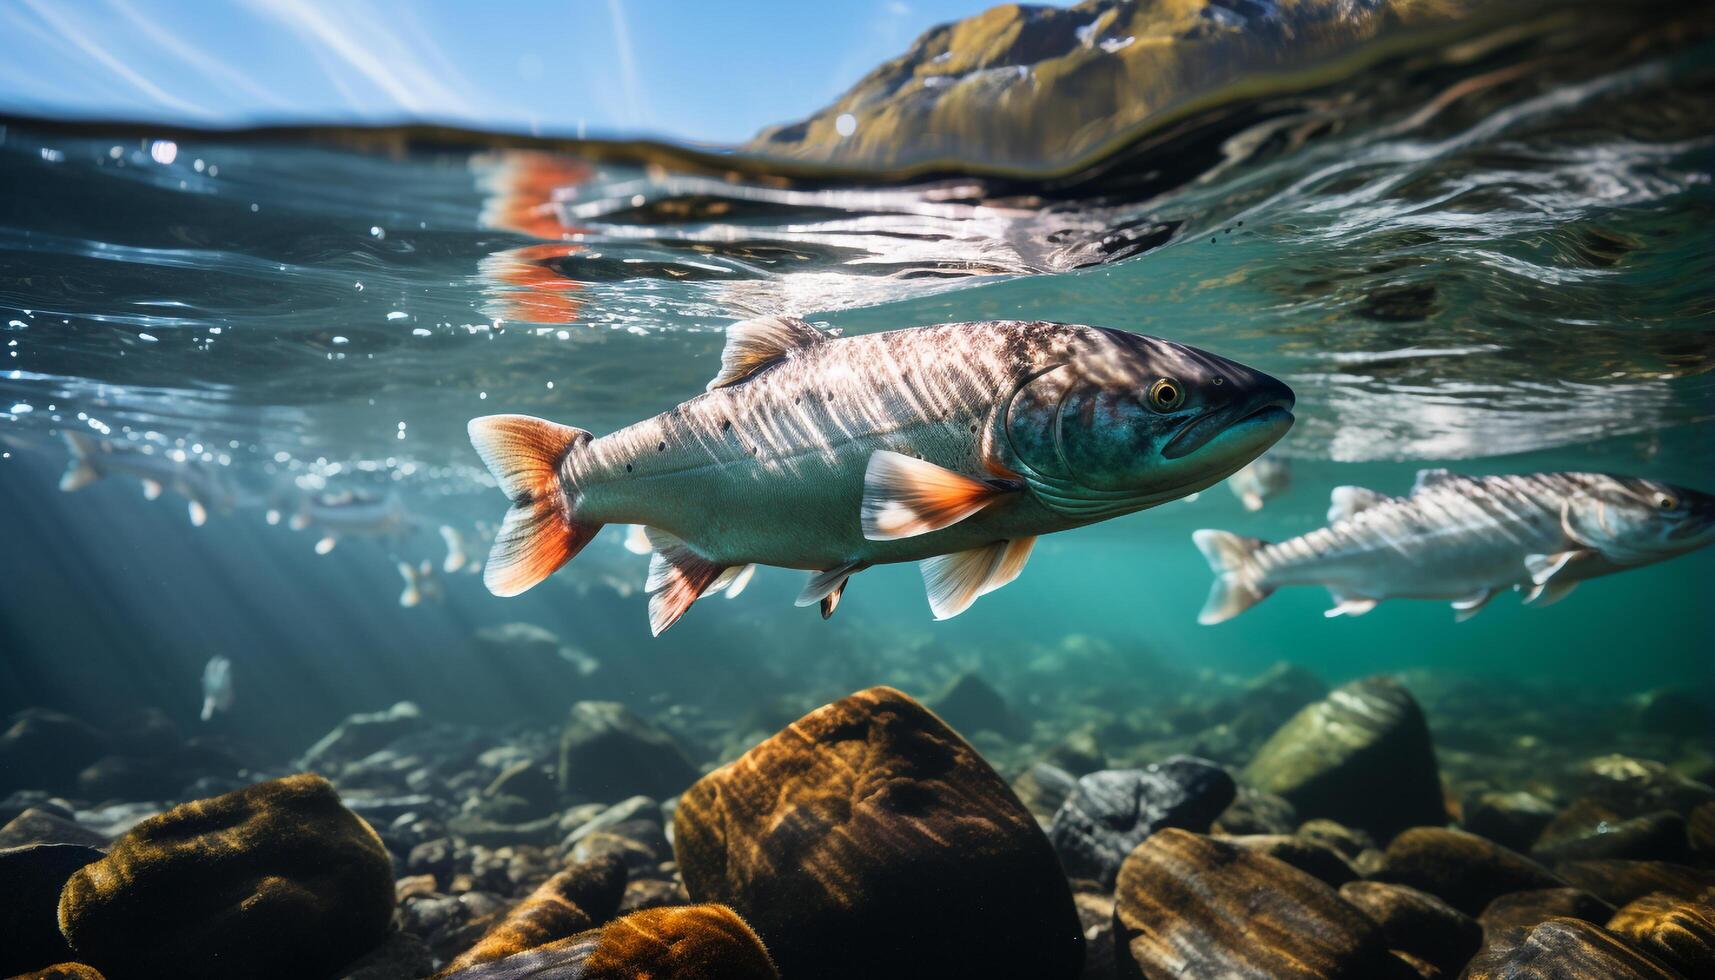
x: 93, y: 460
x: 216, y: 686
x: 1262, y: 479
x: 420, y: 583
x: 351, y: 513
x: 455, y: 560
x: 1464, y: 539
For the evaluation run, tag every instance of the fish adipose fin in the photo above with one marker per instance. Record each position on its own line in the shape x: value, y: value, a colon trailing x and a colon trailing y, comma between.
x: 80, y: 470
x: 539, y: 533
x: 955, y: 581
x: 1347, y: 606
x: 1471, y: 605
x: 678, y: 576
x: 752, y: 345
x: 1348, y: 502
x: 1237, y: 585
x: 904, y: 497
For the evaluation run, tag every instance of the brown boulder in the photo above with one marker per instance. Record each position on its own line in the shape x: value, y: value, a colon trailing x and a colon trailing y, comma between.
x: 1464, y: 870
x: 868, y: 839
x: 691, y: 942
x: 1678, y: 932
x: 1571, y: 949
x: 568, y: 903
x: 1619, y: 882
x: 1417, y: 923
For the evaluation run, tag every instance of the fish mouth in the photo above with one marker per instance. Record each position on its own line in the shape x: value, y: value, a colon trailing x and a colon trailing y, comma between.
x: 1274, y: 418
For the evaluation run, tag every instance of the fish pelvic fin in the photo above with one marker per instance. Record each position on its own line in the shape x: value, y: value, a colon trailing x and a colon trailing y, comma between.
x: 80, y: 469
x: 955, y: 581
x: 904, y: 496
x: 678, y: 577
x: 540, y: 533
x: 1238, y: 582
x: 752, y: 346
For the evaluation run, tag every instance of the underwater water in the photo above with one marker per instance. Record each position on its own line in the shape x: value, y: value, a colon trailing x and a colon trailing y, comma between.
x: 1495, y: 264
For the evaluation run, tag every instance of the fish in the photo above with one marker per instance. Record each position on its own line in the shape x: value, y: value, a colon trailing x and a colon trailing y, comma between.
x: 1464, y: 539
x: 93, y: 460
x: 420, y: 583
x: 952, y: 445
x: 1262, y: 479
x: 455, y: 561
x: 216, y: 686
x: 349, y: 512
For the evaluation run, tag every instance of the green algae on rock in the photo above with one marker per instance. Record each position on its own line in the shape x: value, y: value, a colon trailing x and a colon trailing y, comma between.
x: 1362, y: 756
x: 277, y: 880
x: 868, y: 839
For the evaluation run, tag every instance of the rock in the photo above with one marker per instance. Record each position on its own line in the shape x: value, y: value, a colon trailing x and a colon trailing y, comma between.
x: 1314, y: 858
x: 1347, y: 841
x: 634, y: 854
x: 1079, y: 753
x: 1637, y: 786
x: 1678, y: 932
x: 1043, y: 788
x: 1189, y: 906
x: 1462, y: 869
x: 529, y: 782
x: 1527, y: 909
x: 693, y: 942
x: 123, y: 777
x: 1028, y: 88
x: 606, y: 818
x: 970, y: 705
x: 274, y: 880
x: 1096, y: 916
x: 555, y: 910
x: 607, y: 754
x: 30, y: 881
x: 45, y: 750
x: 1568, y: 949
x: 401, y: 956
x: 63, y: 971
x: 145, y: 733
x: 867, y: 839
x: 1417, y: 923
x: 1361, y: 756
x: 1700, y: 832
x: 37, y: 826
x: 1512, y: 820
x: 1112, y: 811
x: 476, y: 829
x: 1255, y: 812
x: 1675, y: 712
x: 1619, y: 882
x: 1579, y: 834
x: 361, y: 734
x: 652, y: 893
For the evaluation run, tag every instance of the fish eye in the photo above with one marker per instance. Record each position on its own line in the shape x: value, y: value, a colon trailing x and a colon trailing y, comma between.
x: 1166, y: 394
x: 1665, y: 501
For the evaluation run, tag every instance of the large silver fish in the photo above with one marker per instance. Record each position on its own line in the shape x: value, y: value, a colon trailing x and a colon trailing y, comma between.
x: 1464, y: 539
x: 952, y: 445
x: 97, y: 459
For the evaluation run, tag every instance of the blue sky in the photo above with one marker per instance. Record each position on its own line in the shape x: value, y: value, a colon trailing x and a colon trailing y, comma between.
x: 692, y: 70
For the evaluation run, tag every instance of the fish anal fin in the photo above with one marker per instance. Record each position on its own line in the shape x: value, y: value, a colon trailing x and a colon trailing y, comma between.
x: 1466, y: 607
x: 678, y: 576
x: 955, y: 581
x: 904, y: 496
x: 753, y: 345
x: 539, y: 533
x: 1348, y: 606
x: 1347, y: 502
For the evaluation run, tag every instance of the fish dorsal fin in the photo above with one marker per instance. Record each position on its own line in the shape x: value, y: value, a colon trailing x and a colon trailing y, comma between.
x: 1430, y: 479
x: 678, y: 576
x: 752, y: 345
x: 955, y: 581
x: 1347, y: 502
x: 904, y: 497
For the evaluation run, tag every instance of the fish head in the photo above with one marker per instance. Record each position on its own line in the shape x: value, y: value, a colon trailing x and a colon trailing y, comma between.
x: 1135, y: 421
x: 1633, y: 522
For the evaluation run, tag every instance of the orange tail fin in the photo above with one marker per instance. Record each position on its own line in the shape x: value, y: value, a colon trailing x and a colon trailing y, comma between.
x: 540, y: 532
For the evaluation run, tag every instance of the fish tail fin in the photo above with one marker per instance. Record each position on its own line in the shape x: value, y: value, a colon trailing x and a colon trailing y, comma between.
x: 80, y: 470
x: 1238, y: 582
x: 540, y: 532
x: 413, y: 593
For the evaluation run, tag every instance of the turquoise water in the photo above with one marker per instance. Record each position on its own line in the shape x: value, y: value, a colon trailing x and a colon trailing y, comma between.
x: 1508, y: 278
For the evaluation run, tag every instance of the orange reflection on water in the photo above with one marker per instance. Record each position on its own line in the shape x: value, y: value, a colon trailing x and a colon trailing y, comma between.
x: 525, y: 286
x: 526, y: 191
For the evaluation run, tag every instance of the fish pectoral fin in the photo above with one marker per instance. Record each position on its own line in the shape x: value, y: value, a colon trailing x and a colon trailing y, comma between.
x: 823, y: 584
x: 955, y: 581
x: 1347, y: 502
x: 1543, y: 568
x: 904, y: 496
x: 1345, y: 606
x: 1549, y: 593
x: 1468, y: 606
x: 151, y: 489
x: 678, y: 576
x: 752, y: 345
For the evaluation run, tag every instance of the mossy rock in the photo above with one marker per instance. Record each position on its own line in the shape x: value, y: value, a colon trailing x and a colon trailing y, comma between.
x: 687, y: 942
x: 868, y: 839
x: 277, y: 880
x: 569, y: 902
x: 1679, y: 932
